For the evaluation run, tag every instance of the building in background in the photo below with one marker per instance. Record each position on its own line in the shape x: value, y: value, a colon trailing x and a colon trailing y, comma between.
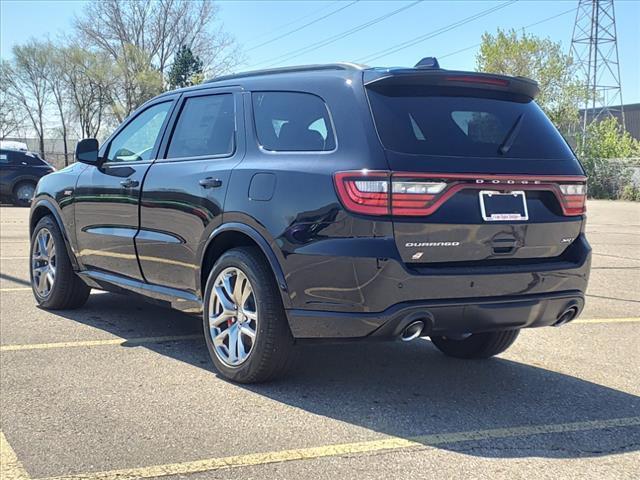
x: 631, y: 117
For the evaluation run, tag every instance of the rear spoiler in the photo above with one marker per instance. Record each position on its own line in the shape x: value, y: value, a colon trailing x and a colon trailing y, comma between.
x: 451, y: 78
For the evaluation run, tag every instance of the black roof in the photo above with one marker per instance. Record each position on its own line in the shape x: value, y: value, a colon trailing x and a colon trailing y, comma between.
x: 372, y: 75
x: 293, y: 69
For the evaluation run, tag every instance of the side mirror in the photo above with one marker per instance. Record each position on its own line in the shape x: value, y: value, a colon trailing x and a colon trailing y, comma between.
x: 87, y: 151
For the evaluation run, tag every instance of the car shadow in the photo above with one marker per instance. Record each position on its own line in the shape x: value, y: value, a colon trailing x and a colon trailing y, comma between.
x: 407, y: 390
x: 14, y: 279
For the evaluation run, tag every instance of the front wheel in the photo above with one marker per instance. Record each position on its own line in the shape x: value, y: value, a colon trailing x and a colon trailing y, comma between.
x: 477, y: 345
x: 245, y: 326
x: 54, y: 283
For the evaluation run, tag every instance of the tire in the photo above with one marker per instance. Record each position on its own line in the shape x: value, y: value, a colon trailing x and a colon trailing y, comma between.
x: 68, y: 291
x: 22, y: 189
x: 269, y: 353
x: 478, y: 345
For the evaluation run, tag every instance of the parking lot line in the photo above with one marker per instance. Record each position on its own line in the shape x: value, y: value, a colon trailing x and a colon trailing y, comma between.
x: 387, y: 444
x: 10, y: 466
x: 169, y: 338
x: 607, y: 320
x: 95, y: 343
x: 15, y: 289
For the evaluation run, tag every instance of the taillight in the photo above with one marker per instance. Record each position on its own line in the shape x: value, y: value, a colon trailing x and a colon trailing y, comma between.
x: 482, y: 80
x: 378, y: 192
x: 411, y: 197
x: 364, y: 191
x: 574, y: 197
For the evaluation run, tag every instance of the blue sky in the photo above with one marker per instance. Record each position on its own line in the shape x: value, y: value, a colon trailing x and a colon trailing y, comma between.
x: 257, y: 24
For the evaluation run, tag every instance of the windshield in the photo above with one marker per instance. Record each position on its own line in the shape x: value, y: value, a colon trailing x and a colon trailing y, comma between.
x: 431, y: 122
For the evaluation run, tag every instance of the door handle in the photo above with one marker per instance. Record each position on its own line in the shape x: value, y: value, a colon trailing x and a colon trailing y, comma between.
x: 210, y: 182
x: 129, y: 183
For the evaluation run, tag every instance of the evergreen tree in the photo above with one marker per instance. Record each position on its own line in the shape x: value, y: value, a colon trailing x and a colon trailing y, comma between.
x: 187, y: 69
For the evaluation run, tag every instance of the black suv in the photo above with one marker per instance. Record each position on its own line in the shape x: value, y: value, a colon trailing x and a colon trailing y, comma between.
x: 19, y: 174
x: 326, y: 202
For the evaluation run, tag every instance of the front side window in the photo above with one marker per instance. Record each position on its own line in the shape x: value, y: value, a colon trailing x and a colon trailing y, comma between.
x: 136, y: 141
x: 206, y: 127
x: 292, y: 121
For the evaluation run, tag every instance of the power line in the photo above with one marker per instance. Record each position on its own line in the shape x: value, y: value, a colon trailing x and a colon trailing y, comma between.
x: 409, y: 43
x: 286, y: 34
x: 292, y: 22
x: 339, y: 36
x: 521, y: 28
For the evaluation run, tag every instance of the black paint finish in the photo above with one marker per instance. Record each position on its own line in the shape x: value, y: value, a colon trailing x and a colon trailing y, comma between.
x: 340, y: 274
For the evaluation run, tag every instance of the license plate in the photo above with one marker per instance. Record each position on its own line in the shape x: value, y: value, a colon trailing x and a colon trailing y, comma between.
x: 501, y: 207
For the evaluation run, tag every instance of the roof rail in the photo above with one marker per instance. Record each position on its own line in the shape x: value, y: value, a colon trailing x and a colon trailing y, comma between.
x: 294, y: 69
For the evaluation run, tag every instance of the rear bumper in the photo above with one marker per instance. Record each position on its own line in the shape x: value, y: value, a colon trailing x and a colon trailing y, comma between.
x: 465, y: 300
x: 460, y: 316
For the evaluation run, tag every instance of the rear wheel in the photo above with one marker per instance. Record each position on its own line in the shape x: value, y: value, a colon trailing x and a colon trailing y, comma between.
x: 477, y: 345
x: 245, y: 326
x: 53, y: 281
x: 23, y: 193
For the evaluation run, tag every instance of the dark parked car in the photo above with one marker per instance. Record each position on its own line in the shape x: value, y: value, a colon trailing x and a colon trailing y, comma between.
x: 19, y: 174
x: 326, y: 202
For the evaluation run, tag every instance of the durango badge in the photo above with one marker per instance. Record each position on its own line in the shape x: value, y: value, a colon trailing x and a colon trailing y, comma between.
x: 431, y: 244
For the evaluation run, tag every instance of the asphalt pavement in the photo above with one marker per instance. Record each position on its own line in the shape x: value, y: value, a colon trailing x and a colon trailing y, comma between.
x: 123, y: 389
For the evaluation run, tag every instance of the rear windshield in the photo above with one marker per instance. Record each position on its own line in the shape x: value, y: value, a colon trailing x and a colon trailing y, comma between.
x: 431, y: 122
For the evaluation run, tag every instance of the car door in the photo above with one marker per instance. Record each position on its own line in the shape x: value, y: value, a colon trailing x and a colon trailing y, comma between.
x: 107, y: 197
x: 184, y: 191
x: 7, y: 172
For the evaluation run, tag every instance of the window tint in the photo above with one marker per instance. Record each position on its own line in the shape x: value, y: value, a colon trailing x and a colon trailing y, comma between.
x: 136, y: 141
x: 11, y: 157
x: 419, y: 121
x: 206, y: 126
x: 291, y: 121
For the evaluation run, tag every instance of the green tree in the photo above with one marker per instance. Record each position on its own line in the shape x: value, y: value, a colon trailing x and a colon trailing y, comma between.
x: 90, y: 78
x: 604, y: 153
x: 140, y: 81
x: 187, y: 69
x: 511, y: 53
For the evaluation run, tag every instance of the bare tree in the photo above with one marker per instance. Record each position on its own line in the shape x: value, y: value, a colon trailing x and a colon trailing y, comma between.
x: 12, y: 114
x: 142, y: 36
x: 26, y: 83
x: 55, y: 79
x: 89, y: 79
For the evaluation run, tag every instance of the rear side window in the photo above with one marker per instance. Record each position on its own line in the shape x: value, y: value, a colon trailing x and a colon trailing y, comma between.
x: 205, y: 127
x: 417, y: 121
x: 12, y: 157
x: 293, y: 122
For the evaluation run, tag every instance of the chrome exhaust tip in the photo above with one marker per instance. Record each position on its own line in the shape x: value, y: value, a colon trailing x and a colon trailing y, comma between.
x: 412, y: 331
x: 566, y: 316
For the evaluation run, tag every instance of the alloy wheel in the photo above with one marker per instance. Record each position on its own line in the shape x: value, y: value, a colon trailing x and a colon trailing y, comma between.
x: 233, y: 317
x: 43, y: 263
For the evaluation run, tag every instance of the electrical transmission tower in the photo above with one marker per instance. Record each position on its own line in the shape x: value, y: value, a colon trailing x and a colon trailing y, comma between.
x: 594, y: 47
